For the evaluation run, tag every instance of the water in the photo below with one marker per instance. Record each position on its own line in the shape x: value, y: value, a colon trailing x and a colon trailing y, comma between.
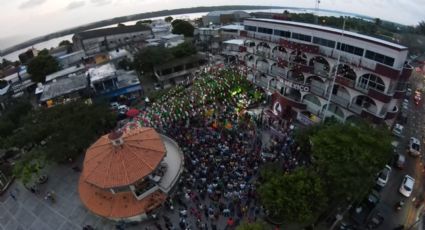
x: 55, y: 41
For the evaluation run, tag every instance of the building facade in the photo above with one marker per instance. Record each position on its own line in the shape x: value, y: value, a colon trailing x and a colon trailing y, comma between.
x: 100, y: 40
x: 304, y: 65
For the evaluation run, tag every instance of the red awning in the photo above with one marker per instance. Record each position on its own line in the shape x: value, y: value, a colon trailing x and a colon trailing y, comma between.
x: 132, y: 112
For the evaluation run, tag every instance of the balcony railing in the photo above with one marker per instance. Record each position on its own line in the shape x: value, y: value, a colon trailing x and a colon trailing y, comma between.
x: 293, y: 102
x: 356, y: 108
x: 344, y: 81
x: 378, y: 95
x: 312, y: 107
x: 320, y: 91
x: 341, y: 101
x: 277, y: 71
x: 387, y: 71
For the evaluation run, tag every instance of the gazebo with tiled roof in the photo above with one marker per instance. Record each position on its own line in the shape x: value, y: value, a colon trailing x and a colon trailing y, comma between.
x: 126, y: 175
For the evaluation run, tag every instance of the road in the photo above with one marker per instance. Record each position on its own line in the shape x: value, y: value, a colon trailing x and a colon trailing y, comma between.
x: 415, y: 127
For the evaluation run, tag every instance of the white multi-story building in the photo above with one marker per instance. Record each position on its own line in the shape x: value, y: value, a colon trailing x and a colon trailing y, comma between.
x: 297, y: 63
x: 100, y: 40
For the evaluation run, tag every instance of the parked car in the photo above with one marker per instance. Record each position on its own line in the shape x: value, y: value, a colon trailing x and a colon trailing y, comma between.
x: 407, y: 185
x: 405, y: 104
x: 122, y: 109
x: 414, y: 146
x: 157, y: 86
x: 417, y: 97
x: 383, y: 176
x: 375, y: 221
x: 408, y: 92
x: 398, y: 130
x: 114, y: 105
x: 400, y: 161
x: 360, y: 212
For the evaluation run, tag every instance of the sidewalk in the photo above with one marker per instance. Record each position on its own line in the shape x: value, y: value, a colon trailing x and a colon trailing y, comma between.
x: 32, y: 211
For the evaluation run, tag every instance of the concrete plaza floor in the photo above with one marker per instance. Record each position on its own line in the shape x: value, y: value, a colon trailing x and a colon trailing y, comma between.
x: 32, y: 211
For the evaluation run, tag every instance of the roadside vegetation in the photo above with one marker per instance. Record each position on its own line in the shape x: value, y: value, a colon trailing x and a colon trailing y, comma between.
x: 344, y: 161
x: 34, y: 138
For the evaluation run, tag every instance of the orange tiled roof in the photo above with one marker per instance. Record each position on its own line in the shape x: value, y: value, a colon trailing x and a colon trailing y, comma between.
x: 120, y: 205
x: 108, y: 166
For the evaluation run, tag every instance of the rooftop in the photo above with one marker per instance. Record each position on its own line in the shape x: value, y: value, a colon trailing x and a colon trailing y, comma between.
x: 63, y: 86
x: 239, y: 42
x: 111, y: 31
x: 109, y: 166
x: 218, y: 13
x: 119, y: 205
x: 232, y: 27
x: 127, y: 79
x: 331, y: 30
x: 64, y: 72
x: 100, y: 72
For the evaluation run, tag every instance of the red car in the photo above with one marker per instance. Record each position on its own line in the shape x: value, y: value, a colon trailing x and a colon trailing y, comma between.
x: 417, y: 97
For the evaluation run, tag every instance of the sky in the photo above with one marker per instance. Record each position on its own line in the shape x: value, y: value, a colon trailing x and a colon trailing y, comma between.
x: 25, y: 19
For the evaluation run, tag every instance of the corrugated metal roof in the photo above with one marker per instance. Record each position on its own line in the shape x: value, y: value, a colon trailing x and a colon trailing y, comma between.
x: 111, y: 31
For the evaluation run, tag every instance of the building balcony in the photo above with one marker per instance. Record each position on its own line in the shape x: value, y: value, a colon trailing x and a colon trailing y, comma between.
x: 313, y: 108
x: 366, y: 114
x: 344, y: 81
x: 387, y: 71
x: 319, y: 91
x: 373, y: 93
x: 278, y: 72
x: 293, y: 102
x: 306, y: 48
x: 264, y: 54
x: 406, y: 72
x: 399, y: 94
x: 341, y: 101
x: 392, y: 114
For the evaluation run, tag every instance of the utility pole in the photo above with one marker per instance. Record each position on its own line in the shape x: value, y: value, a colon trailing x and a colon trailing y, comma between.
x: 316, y: 9
x: 334, y: 75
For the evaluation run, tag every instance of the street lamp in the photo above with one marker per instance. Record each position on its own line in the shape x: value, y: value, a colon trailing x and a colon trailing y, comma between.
x: 334, y: 75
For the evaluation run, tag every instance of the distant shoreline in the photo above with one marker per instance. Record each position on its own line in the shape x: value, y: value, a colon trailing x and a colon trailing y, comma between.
x: 116, y: 20
x: 161, y: 13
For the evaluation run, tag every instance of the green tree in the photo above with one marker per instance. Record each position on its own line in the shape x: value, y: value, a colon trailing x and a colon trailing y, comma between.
x: 120, y: 25
x: 65, y: 43
x: 259, y: 225
x: 183, y: 50
x: 125, y: 64
x: 182, y: 27
x: 420, y: 28
x: 168, y: 19
x: 148, y: 57
x: 144, y: 22
x: 348, y: 156
x: 41, y: 66
x: 67, y: 130
x: 43, y: 52
x: 298, y: 197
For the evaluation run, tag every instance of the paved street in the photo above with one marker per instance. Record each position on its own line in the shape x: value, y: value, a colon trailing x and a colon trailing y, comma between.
x: 414, y: 167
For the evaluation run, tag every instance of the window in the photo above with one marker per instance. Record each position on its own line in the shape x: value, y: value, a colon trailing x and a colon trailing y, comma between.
x: 379, y: 58
x: 368, y: 81
x: 265, y: 30
x: 282, y: 33
x: 324, y: 42
x: 350, y: 49
x: 251, y: 28
x: 301, y: 37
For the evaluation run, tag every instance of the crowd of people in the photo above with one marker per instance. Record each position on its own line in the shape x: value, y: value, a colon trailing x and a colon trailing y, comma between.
x: 223, y: 151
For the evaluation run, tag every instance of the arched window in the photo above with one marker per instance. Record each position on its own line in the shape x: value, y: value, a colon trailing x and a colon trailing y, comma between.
x: 371, y: 81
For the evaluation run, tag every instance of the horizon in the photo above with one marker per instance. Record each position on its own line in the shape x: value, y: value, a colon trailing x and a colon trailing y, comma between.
x: 32, y: 18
